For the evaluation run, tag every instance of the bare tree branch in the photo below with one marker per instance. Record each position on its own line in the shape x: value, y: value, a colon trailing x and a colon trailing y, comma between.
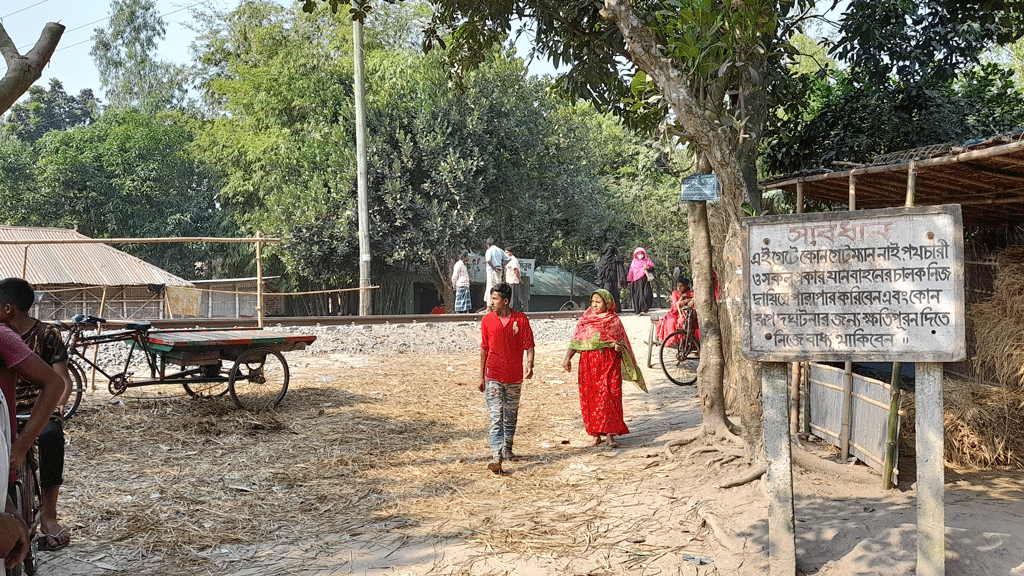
x: 22, y: 71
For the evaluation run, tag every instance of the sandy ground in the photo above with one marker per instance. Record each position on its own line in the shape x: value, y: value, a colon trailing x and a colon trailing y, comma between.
x: 376, y: 465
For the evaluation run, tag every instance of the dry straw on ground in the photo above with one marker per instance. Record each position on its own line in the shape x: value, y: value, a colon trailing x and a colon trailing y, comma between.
x: 999, y: 323
x: 984, y: 424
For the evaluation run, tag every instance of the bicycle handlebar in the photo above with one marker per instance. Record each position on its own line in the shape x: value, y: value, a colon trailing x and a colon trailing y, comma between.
x: 83, y: 319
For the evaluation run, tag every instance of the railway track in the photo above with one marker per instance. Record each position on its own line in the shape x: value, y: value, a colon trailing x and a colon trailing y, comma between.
x: 272, y: 321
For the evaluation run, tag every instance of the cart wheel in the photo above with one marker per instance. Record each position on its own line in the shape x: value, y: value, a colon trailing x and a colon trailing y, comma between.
x: 259, y: 379
x: 207, y: 389
x: 77, y: 386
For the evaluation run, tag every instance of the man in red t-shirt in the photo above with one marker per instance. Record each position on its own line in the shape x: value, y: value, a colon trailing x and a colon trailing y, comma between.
x: 504, y: 335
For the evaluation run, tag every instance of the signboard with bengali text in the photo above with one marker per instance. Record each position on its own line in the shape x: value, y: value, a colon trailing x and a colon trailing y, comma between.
x: 699, y: 187
x: 870, y: 285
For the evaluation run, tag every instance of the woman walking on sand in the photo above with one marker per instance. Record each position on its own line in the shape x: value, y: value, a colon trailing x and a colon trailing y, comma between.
x: 639, y: 278
x: 605, y: 359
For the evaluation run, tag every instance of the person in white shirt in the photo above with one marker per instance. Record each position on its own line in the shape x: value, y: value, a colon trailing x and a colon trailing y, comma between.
x: 460, y: 280
x: 514, y: 278
x: 495, y: 259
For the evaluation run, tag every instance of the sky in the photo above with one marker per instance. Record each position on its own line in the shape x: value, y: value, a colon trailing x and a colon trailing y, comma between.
x: 71, y: 63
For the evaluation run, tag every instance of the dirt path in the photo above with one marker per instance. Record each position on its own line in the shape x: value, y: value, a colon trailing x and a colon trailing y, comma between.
x: 377, y: 466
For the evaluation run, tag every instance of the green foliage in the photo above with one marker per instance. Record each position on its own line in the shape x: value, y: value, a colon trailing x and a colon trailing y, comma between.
x: 129, y: 74
x: 52, y: 109
x: 127, y: 175
x: 923, y: 39
x: 446, y: 168
x: 850, y: 119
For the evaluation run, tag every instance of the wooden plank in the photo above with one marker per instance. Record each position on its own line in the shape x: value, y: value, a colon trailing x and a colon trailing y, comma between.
x: 166, y: 341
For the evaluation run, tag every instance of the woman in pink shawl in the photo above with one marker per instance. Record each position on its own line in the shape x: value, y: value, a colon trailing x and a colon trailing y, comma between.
x: 639, y: 283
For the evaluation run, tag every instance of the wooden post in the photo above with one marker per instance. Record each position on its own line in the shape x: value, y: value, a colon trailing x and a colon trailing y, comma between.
x: 781, y: 530
x: 892, y: 428
x: 794, y: 398
x: 931, y: 519
x: 24, y: 263
x: 845, y: 430
x: 805, y: 414
x: 259, y: 279
x: 96, y: 349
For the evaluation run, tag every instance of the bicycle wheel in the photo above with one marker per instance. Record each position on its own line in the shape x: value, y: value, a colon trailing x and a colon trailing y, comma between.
x: 77, y: 387
x: 33, y: 506
x: 207, y: 389
x: 680, y: 356
x: 259, y: 379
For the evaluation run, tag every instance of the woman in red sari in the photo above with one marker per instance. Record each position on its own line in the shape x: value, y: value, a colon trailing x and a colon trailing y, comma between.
x: 606, y: 358
x: 674, y: 320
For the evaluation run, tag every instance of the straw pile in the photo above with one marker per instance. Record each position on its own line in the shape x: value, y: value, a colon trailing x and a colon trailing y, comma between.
x: 999, y: 323
x: 984, y: 424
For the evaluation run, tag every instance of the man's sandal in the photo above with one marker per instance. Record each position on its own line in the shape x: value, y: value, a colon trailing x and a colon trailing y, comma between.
x: 43, y: 541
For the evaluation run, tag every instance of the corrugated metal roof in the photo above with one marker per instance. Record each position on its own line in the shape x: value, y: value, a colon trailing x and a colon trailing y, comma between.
x: 81, y: 264
x: 553, y: 281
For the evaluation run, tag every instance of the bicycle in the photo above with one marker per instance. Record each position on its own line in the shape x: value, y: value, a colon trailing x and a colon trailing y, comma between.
x: 680, y: 352
x: 24, y: 491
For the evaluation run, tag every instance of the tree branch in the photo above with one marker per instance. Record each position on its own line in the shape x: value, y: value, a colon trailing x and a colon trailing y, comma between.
x: 22, y: 71
x: 643, y: 48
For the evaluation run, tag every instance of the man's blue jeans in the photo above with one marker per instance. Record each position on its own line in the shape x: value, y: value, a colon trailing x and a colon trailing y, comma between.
x: 503, y: 410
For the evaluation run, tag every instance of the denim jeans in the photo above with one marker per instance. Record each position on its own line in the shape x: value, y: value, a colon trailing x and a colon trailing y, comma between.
x: 503, y: 409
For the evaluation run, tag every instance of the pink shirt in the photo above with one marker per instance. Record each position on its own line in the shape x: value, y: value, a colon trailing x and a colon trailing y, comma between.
x: 12, y: 352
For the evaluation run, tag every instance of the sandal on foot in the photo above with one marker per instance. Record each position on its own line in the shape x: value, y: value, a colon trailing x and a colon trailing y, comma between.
x: 43, y: 541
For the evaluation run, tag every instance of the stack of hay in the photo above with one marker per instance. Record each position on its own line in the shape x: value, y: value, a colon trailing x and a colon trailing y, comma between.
x: 985, y: 424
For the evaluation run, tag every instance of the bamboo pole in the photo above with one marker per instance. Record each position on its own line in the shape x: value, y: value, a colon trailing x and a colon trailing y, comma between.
x: 845, y: 430
x: 96, y: 349
x: 794, y: 367
x: 24, y: 264
x: 259, y: 279
x: 892, y: 429
x: 893, y: 425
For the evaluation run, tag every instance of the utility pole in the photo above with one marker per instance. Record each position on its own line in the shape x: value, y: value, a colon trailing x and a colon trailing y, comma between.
x: 365, y: 295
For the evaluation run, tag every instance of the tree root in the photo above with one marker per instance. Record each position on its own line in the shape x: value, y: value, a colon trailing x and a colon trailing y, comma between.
x: 724, y: 459
x: 812, y: 463
x: 690, y: 437
x: 735, y: 544
x: 699, y: 450
x: 751, y: 475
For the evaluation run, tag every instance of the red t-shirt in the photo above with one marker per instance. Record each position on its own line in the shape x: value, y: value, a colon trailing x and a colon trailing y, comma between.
x: 505, y: 345
x: 12, y: 352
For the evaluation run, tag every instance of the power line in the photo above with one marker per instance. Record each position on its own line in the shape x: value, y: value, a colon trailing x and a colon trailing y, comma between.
x: 101, y: 20
x: 25, y: 8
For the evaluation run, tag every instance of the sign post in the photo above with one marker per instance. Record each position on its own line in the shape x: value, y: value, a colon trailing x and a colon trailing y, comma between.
x: 871, y: 285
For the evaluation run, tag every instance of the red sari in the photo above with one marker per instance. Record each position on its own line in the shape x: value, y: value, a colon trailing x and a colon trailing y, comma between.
x: 601, y: 369
x: 672, y: 321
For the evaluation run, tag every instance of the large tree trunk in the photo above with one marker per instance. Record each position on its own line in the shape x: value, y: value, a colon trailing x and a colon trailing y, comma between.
x: 440, y: 275
x: 22, y: 71
x: 732, y: 153
x: 710, y: 373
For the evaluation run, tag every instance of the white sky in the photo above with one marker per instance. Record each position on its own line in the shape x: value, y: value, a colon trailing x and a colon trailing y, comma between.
x: 71, y: 63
